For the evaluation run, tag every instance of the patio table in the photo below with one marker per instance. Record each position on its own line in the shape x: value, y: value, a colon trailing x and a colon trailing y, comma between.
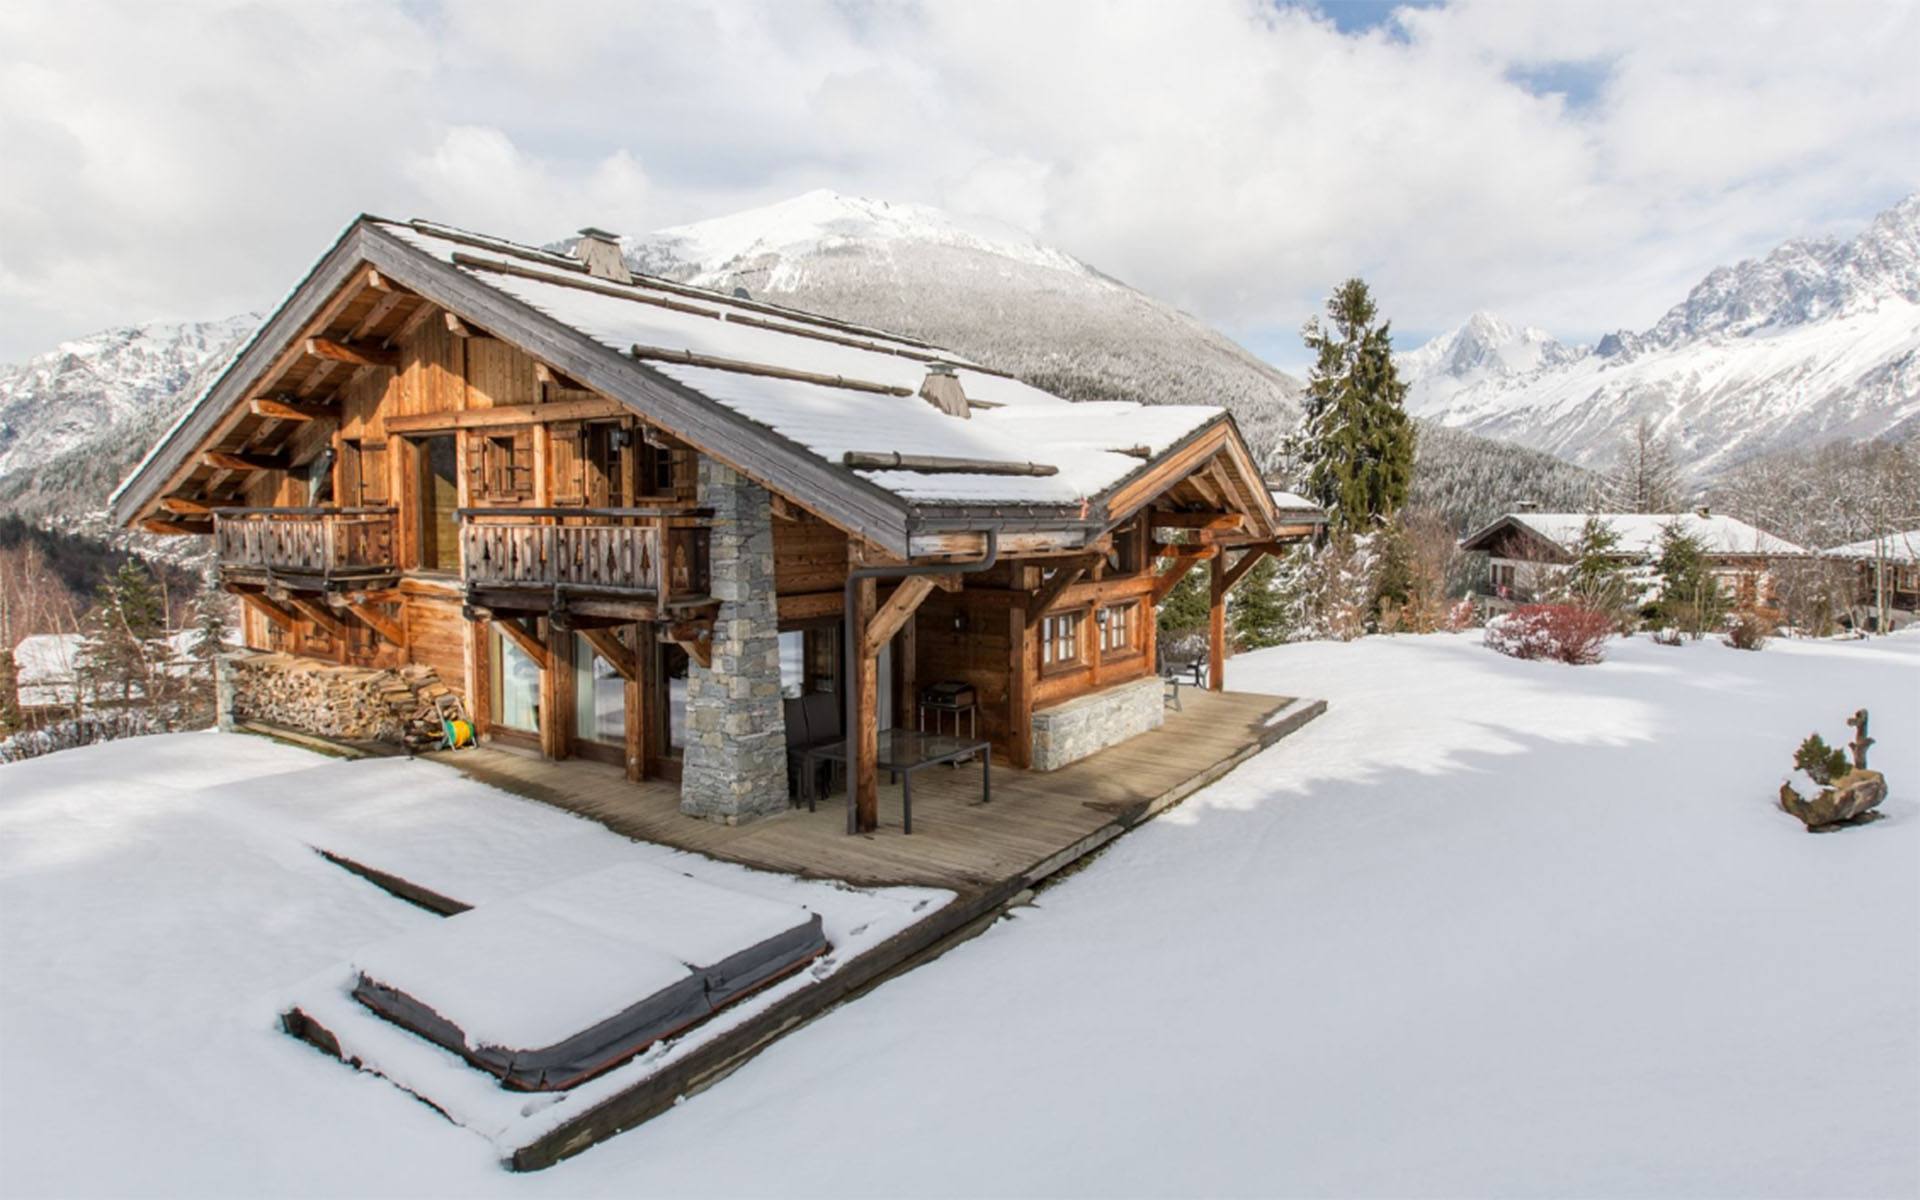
x: 903, y: 752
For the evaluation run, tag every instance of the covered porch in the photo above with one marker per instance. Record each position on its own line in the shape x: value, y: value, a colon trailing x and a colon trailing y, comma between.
x: 1037, y: 822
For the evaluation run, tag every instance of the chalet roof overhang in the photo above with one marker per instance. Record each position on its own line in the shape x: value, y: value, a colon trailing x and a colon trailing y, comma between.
x: 1211, y: 466
x: 1509, y: 532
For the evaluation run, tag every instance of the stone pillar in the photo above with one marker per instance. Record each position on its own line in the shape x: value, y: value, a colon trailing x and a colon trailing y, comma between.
x: 223, y: 692
x: 735, y: 766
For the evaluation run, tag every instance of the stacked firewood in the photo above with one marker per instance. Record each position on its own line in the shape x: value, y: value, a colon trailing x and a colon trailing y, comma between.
x: 348, y: 703
x: 418, y: 692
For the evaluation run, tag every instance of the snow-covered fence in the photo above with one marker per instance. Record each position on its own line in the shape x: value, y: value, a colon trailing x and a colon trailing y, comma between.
x: 81, y: 731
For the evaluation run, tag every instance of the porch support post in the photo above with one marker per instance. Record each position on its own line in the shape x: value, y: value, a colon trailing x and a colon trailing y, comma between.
x: 735, y: 767
x: 1217, y: 626
x: 866, y: 705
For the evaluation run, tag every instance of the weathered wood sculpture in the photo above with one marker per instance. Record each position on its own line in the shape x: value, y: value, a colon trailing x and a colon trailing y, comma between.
x: 1849, y: 792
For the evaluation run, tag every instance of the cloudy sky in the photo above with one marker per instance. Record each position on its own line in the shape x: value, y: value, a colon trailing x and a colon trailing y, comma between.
x: 1570, y: 165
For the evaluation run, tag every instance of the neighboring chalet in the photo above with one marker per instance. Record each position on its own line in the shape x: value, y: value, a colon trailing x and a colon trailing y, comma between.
x: 1883, y: 573
x: 633, y: 520
x: 1525, y: 549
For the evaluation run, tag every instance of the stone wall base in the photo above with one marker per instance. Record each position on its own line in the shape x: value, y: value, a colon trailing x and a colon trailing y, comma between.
x: 1072, y: 730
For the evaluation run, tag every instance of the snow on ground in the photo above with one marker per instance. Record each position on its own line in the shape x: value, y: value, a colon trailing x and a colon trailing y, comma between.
x: 1487, y: 928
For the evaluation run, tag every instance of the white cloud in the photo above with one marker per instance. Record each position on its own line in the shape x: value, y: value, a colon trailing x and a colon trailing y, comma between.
x: 1235, y: 158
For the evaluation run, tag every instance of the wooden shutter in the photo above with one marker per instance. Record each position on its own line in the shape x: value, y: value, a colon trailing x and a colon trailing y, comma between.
x: 479, y: 478
x: 348, y: 490
x: 375, y: 487
x: 567, y: 459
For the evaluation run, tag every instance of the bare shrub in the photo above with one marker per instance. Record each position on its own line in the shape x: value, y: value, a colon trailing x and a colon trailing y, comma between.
x: 1562, y: 632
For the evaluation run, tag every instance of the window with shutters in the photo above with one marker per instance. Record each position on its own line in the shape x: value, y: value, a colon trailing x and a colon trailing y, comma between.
x: 501, y: 465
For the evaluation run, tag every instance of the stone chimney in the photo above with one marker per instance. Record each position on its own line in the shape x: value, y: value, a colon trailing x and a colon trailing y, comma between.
x: 600, y: 251
x: 942, y: 390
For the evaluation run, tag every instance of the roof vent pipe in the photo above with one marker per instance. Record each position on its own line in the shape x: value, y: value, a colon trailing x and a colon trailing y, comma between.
x: 942, y: 390
x: 600, y: 251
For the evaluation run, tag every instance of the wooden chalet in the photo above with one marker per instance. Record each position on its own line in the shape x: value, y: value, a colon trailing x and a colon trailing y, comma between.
x: 1882, y: 579
x: 1527, y: 550
x: 631, y: 520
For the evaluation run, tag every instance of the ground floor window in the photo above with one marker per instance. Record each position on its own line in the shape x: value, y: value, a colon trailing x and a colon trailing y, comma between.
x: 1060, y: 640
x: 599, y: 697
x: 516, y: 684
x: 1119, y: 629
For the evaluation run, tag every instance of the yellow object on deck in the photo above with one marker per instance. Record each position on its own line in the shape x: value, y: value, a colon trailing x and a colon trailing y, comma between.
x: 459, y: 733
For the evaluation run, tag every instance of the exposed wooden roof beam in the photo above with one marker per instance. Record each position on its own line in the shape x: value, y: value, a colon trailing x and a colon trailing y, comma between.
x: 319, y: 615
x: 182, y: 506
x: 359, y: 356
x: 154, y: 525
x: 283, y: 410
x: 244, y: 462
x: 381, y: 310
x: 1211, y: 521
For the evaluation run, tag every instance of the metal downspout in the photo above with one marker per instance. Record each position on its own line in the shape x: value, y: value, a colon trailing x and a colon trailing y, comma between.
x: 850, y: 652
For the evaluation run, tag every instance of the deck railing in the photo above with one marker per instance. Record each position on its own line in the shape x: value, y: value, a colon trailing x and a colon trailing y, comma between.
x: 612, y: 551
x: 316, y: 543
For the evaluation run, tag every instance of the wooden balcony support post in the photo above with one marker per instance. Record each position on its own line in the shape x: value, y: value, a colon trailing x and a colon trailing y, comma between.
x: 865, y: 732
x: 556, y: 693
x: 1217, y: 628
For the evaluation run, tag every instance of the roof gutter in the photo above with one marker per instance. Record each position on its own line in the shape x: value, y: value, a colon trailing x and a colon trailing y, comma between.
x: 851, y: 654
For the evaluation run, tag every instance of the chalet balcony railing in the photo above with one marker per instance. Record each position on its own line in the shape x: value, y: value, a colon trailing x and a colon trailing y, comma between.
x: 312, y: 545
x: 648, y: 552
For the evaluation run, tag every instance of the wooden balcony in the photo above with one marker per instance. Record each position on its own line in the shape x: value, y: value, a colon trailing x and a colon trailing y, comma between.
x: 540, y: 558
x: 307, y: 549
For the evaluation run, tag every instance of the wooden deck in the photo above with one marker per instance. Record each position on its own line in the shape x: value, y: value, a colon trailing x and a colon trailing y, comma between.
x: 1037, y: 822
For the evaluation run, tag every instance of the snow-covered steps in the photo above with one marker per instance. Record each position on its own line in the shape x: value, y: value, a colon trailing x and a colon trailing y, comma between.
x: 551, y: 987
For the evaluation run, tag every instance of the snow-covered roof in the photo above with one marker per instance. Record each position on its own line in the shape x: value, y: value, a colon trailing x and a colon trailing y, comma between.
x: 1084, y: 441
x: 1293, y: 504
x: 1892, y: 547
x: 1639, y: 533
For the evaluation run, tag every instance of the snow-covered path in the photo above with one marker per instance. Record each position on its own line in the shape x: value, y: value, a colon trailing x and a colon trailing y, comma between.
x: 1486, y: 928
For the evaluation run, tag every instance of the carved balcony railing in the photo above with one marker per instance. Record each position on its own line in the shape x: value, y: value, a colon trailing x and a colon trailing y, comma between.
x: 325, y: 548
x: 537, y: 555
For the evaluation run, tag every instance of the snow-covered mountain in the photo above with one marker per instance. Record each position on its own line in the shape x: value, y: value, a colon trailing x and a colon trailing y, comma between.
x: 1819, y: 341
x: 979, y: 287
x: 74, y: 419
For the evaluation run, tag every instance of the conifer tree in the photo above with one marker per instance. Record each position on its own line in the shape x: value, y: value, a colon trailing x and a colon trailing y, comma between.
x: 124, y: 647
x: 1690, y: 597
x: 1597, y: 580
x: 1355, y: 448
x: 1258, y: 613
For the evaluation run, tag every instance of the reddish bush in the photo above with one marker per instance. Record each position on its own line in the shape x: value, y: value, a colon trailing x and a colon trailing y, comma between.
x: 1563, y: 632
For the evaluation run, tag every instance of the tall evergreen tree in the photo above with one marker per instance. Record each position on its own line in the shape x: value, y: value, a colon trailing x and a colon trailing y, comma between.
x: 1690, y: 598
x: 124, y: 650
x: 1257, y: 611
x: 1597, y: 580
x: 1356, y: 446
